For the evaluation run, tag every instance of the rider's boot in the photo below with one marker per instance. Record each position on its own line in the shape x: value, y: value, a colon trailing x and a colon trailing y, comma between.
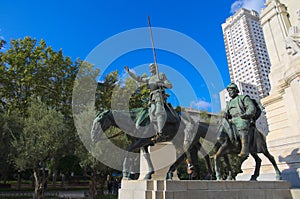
x: 245, y: 146
x: 160, y: 137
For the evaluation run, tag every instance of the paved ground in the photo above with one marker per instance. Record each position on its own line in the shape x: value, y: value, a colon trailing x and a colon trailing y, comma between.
x: 56, y: 194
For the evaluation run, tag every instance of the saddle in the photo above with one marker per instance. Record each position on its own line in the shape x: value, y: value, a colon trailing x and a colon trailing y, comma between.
x: 143, y: 118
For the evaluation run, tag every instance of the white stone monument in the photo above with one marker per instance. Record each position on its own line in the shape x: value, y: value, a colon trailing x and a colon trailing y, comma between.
x: 281, y: 26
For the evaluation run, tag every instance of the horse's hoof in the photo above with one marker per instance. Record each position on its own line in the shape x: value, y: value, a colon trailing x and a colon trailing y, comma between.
x: 126, y: 176
x: 229, y: 178
x: 253, y: 178
x: 278, y: 176
x: 208, y: 177
x: 169, y: 176
x: 152, y: 143
x: 148, y: 176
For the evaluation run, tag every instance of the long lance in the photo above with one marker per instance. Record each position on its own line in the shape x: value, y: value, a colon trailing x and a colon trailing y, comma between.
x: 155, y: 61
x: 156, y: 65
x: 153, y: 48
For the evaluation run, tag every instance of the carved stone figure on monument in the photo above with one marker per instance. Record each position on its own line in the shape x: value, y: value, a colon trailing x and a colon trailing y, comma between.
x: 292, y: 41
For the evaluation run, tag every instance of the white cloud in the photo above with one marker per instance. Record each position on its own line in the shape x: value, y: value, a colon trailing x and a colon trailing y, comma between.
x: 256, y: 5
x: 1, y: 36
x: 200, y: 105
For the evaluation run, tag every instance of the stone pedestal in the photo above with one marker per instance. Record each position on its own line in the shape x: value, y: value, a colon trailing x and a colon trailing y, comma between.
x: 195, y: 189
x: 162, y: 155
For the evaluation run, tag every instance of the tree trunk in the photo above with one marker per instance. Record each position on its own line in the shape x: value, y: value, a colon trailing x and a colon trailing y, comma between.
x: 38, y: 185
x: 62, y: 180
x: 19, y: 181
x: 93, y: 187
x: 102, y: 180
x: 54, y: 177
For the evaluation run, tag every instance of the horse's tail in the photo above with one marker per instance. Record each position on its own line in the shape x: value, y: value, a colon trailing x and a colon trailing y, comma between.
x: 258, y: 143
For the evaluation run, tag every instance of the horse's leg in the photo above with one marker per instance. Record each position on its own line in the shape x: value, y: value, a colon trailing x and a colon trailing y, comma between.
x: 229, y: 176
x: 146, y: 155
x: 126, y: 167
x: 193, y: 154
x: 257, y: 166
x: 128, y: 160
x: 217, y: 156
x: 209, y: 175
x: 272, y: 160
x: 174, y: 166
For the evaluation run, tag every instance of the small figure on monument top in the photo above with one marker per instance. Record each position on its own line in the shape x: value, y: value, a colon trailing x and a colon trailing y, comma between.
x: 157, y: 83
x: 240, y: 112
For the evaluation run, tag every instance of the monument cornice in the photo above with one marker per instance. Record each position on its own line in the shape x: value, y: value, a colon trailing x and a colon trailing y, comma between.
x: 293, y: 71
x: 271, y: 11
x: 291, y: 76
x: 271, y: 99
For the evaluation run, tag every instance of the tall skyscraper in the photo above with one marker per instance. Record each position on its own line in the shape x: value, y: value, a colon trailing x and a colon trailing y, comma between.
x: 246, y: 51
x: 247, y: 57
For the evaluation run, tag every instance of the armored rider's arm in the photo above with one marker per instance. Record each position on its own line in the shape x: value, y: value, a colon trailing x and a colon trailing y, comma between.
x: 164, y: 82
x: 249, y: 107
x: 135, y: 77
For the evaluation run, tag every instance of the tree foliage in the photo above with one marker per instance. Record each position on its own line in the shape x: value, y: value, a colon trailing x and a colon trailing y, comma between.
x: 42, y: 136
x: 30, y: 69
x: 11, y: 126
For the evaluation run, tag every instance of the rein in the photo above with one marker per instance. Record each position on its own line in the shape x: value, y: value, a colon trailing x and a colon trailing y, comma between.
x: 113, y: 136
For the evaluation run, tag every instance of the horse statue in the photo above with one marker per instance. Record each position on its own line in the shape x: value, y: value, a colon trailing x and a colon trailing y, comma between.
x: 174, y: 131
x: 229, y: 143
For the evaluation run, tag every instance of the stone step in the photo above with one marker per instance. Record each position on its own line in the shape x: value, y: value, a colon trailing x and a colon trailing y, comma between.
x: 186, y: 189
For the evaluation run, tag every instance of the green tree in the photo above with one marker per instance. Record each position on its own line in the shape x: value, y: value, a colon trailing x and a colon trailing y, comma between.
x: 93, y: 168
x: 30, y: 68
x: 42, y: 136
x: 11, y: 125
x: 105, y: 90
x: 205, y: 116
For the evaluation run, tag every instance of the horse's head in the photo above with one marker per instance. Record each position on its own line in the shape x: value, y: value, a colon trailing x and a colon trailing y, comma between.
x: 101, y: 123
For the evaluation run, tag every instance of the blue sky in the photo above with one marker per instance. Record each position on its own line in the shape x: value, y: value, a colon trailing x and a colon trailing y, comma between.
x: 80, y: 27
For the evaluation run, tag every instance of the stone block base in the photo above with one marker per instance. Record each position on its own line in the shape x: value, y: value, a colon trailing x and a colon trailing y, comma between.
x: 194, y: 189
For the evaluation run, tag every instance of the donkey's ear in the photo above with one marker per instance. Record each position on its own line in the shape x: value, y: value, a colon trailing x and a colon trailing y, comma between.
x: 105, y: 112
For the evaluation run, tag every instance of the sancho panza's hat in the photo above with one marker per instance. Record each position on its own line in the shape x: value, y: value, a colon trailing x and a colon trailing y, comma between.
x: 234, y: 86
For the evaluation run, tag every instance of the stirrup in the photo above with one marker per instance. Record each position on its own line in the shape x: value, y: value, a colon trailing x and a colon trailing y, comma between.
x: 242, y: 154
x: 159, y: 137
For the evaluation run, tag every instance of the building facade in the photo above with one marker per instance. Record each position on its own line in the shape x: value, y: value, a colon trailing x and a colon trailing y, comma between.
x: 246, y: 52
